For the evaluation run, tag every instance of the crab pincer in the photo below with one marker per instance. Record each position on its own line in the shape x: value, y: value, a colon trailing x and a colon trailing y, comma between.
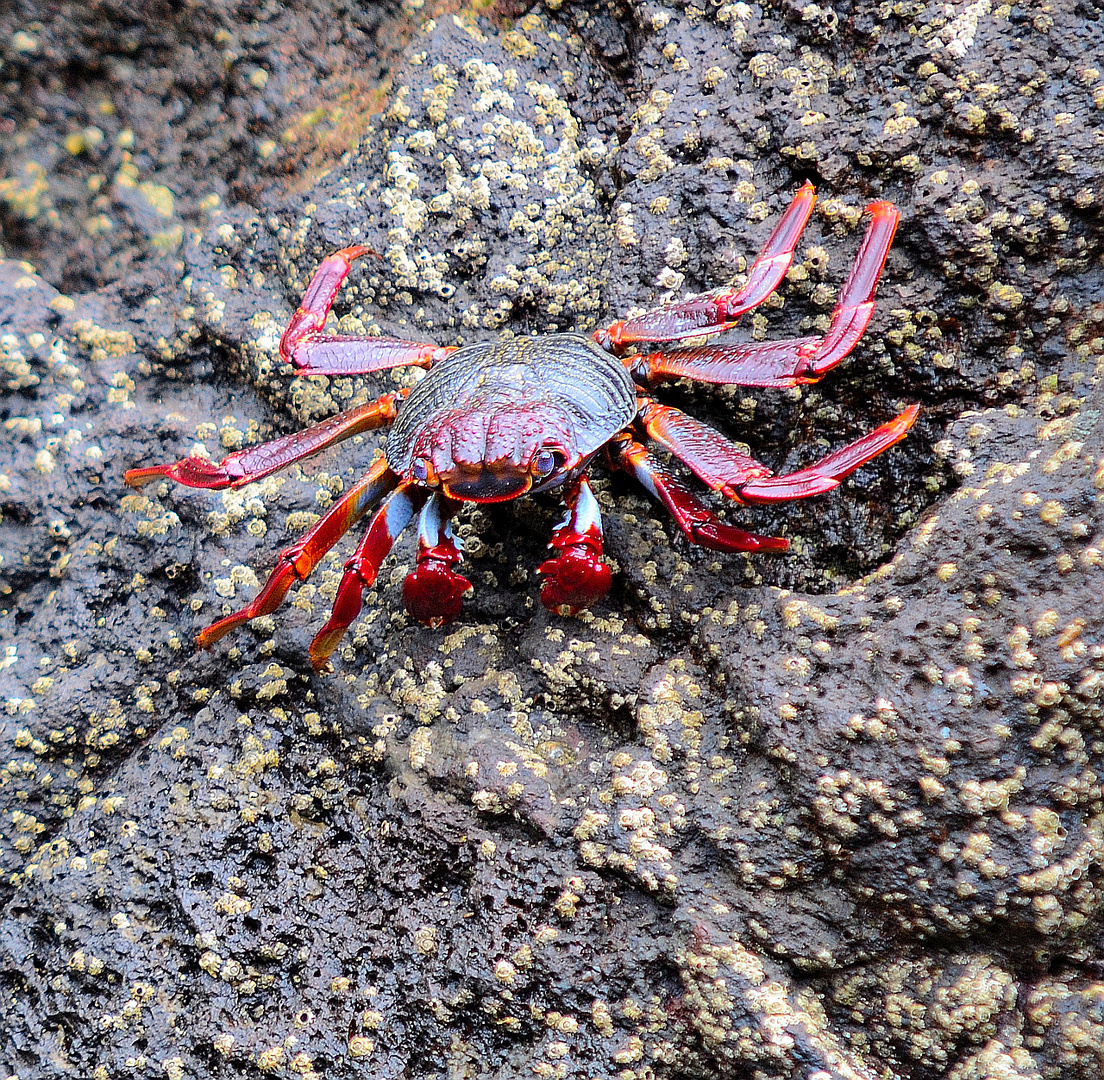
x: 576, y: 577
x: 433, y: 591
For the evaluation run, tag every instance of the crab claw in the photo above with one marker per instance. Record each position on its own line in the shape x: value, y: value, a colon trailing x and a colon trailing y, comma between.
x: 574, y: 579
x: 433, y: 592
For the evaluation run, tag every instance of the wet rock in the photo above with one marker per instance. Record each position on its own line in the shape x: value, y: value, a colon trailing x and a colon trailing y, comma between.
x: 834, y: 815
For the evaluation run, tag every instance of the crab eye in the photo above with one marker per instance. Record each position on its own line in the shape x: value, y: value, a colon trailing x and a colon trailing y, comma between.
x: 543, y: 464
x: 423, y: 472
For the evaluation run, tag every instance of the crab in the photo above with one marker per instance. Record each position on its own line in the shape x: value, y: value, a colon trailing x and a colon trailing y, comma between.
x: 495, y: 420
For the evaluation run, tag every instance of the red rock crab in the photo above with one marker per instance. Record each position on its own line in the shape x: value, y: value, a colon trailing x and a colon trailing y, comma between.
x: 496, y: 420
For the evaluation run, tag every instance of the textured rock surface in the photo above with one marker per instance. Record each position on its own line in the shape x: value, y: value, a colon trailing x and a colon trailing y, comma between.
x: 834, y: 815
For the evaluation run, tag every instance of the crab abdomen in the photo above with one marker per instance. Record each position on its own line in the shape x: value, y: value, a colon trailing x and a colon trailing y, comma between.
x: 563, y: 373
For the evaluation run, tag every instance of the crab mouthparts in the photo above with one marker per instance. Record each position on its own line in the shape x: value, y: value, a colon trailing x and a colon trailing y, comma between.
x: 485, y: 484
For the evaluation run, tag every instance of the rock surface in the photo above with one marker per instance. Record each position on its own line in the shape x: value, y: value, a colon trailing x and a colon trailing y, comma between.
x: 834, y: 815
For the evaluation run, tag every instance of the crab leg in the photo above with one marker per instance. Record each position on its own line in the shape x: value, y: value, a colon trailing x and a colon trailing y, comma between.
x: 698, y: 524
x: 798, y: 360
x: 361, y: 570
x: 717, y: 311
x: 336, y: 354
x: 433, y: 591
x: 297, y: 561
x: 826, y: 474
x: 254, y: 462
x: 711, y: 457
x: 313, y: 352
x: 576, y: 577
x: 724, y: 468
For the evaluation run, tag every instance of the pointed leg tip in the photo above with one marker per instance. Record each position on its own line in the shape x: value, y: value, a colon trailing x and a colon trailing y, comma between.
x: 897, y: 428
x: 806, y: 194
x: 190, y: 471
x: 773, y: 545
x: 345, y: 610
x: 137, y: 478
x: 214, y: 633
x: 718, y: 535
x: 211, y: 635
x: 205, y: 639
x: 883, y: 208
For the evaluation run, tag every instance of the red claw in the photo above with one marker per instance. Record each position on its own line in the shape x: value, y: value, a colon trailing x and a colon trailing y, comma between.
x: 433, y: 592
x: 574, y: 579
